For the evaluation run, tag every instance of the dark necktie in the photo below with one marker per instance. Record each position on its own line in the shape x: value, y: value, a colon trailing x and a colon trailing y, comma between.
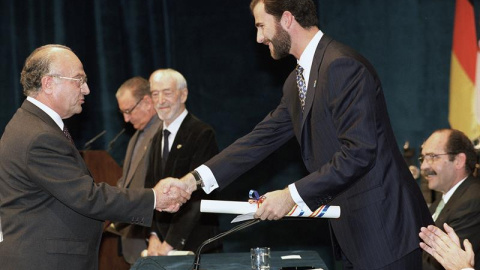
x: 67, y: 134
x: 302, y: 87
x: 166, y: 133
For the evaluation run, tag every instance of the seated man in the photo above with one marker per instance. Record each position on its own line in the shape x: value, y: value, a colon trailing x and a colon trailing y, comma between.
x: 448, y: 160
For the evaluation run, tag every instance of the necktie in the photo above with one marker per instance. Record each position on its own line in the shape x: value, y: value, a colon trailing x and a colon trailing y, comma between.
x: 165, y: 153
x: 438, y: 210
x: 302, y: 87
x: 67, y: 134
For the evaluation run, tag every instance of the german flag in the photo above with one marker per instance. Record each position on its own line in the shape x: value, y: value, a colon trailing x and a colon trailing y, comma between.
x: 463, y: 105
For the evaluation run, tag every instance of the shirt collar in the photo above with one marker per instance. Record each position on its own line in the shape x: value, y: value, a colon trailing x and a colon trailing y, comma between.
x: 449, y: 193
x: 175, y: 125
x: 306, y: 59
x: 55, y: 116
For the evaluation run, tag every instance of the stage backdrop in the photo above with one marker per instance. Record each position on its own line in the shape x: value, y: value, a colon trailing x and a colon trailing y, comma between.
x: 233, y: 82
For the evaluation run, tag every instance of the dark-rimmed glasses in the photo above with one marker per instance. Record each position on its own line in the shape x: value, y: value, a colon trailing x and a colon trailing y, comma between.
x: 129, y: 111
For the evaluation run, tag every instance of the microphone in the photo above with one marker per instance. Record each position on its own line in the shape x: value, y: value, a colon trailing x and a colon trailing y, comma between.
x: 89, y: 143
x: 196, y: 262
x: 110, y: 144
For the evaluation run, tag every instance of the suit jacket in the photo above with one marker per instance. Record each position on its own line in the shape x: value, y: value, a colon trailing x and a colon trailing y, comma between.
x: 348, y: 146
x: 52, y: 211
x: 462, y: 213
x: 193, y: 145
x: 133, y: 176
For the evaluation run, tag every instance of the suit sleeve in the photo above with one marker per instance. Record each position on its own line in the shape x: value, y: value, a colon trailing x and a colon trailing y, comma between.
x: 59, y: 170
x: 274, y: 131
x: 184, y: 221
x: 351, y: 93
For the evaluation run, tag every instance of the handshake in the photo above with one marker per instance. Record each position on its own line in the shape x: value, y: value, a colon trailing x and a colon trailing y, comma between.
x: 171, y: 193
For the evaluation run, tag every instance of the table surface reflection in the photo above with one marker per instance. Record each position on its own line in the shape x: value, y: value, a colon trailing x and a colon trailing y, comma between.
x: 228, y: 261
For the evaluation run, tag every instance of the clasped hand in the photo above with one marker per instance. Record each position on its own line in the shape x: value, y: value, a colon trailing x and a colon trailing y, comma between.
x: 275, y: 205
x: 171, y: 193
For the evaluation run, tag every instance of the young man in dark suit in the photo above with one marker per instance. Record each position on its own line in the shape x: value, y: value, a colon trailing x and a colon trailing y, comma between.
x: 52, y: 211
x: 187, y: 144
x: 334, y: 105
x: 448, y: 162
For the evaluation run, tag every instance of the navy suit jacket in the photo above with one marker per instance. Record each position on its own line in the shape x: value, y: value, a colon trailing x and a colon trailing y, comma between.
x: 52, y: 211
x: 348, y: 146
x: 193, y: 145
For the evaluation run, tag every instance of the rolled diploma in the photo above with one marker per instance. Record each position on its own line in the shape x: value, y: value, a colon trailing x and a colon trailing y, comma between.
x: 241, y: 208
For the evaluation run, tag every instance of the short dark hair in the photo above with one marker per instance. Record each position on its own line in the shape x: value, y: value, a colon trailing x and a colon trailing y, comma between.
x: 138, y: 87
x: 458, y: 143
x: 304, y: 11
x: 36, y: 66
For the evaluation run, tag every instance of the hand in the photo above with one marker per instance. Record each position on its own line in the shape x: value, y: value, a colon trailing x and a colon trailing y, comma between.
x: 164, y: 249
x: 170, y: 194
x: 445, y: 247
x: 153, y: 245
x: 190, y: 181
x: 157, y: 247
x: 275, y: 205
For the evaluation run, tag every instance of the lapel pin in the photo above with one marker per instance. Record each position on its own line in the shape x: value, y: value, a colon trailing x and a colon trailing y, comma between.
x: 315, y: 83
x: 179, y: 146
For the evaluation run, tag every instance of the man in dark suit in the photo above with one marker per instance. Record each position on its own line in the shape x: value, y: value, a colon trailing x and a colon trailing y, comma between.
x: 448, y: 161
x: 136, y: 105
x: 52, y: 211
x: 334, y: 105
x: 188, y: 144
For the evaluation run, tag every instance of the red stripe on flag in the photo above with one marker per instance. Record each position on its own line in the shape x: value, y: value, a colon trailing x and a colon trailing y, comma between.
x: 464, y: 37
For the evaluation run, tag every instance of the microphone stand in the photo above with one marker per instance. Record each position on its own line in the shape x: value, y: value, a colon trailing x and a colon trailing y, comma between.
x: 196, y: 262
x: 89, y: 143
x: 110, y: 144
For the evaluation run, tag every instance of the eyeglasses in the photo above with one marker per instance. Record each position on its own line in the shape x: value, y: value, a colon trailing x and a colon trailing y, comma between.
x: 430, y: 158
x: 129, y: 111
x: 80, y: 81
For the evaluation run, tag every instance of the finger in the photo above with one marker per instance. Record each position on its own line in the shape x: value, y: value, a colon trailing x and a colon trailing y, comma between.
x: 451, y: 234
x: 426, y: 247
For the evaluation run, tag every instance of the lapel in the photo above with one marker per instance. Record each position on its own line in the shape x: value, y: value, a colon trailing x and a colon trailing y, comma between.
x: 178, y: 145
x: 314, y: 75
x: 134, y: 161
x: 454, y: 200
x: 30, y: 107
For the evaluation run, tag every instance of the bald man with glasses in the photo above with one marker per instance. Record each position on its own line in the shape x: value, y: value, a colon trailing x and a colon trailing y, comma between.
x: 447, y: 162
x: 51, y: 209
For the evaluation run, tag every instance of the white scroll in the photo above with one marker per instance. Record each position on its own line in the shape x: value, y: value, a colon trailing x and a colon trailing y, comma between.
x: 246, y: 210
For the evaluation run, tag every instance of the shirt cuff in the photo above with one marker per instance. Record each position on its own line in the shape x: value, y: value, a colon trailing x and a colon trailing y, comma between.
x: 154, y: 200
x: 298, y: 200
x: 209, y: 181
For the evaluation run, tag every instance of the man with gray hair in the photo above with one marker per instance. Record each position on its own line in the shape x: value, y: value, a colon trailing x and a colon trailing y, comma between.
x: 183, y: 143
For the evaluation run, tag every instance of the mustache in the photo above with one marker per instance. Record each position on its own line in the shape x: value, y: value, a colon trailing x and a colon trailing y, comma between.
x: 428, y: 172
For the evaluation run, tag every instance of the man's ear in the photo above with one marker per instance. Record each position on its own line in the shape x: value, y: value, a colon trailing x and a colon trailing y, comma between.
x: 461, y: 160
x: 47, y: 84
x: 286, y: 20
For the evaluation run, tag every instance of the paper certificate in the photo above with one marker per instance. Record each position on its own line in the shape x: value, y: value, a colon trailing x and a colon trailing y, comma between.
x: 246, y: 210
